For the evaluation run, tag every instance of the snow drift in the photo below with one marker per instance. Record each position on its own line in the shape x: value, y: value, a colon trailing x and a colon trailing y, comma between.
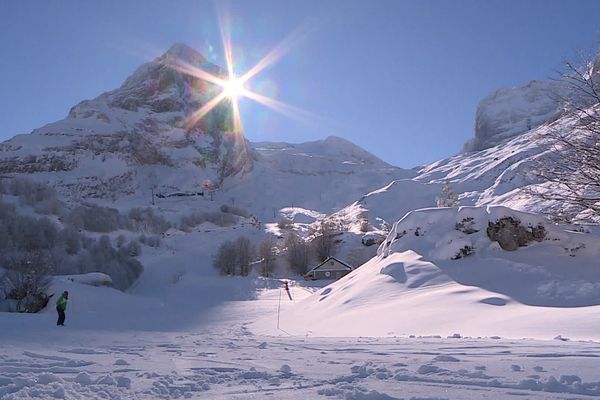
x: 438, y: 272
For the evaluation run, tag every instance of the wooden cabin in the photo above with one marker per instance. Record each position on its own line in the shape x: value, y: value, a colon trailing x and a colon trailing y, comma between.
x: 331, y: 268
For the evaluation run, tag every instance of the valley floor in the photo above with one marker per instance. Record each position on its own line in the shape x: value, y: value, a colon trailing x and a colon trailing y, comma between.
x: 218, y: 357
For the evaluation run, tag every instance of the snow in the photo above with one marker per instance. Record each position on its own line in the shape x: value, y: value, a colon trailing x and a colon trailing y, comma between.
x: 438, y: 311
x: 220, y: 358
x: 509, y: 112
x: 539, y: 291
x: 398, y: 327
x: 300, y: 215
x: 401, y: 326
x: 92, y: 278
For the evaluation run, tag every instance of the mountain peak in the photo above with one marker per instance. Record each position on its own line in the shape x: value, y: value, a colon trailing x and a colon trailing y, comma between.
x: 183, y: 52
x: 161, y: 86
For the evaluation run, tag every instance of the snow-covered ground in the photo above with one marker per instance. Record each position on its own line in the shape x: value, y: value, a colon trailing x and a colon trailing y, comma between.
x: 216, y: 356
x: 409, y: 324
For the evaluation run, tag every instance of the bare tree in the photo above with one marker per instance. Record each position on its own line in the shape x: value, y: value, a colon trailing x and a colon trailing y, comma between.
x: 298, y: 253
x: 571, y: 166
x: 244, y: 250
x: 267, y: 256
x: 324, y: 242
x: 448, y: 198
x: 27, y: 280
x: 226, y: 258
x: 360, y: 255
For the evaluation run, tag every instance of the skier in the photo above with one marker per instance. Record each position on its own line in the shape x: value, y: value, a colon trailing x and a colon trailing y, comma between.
x: 61, y: 306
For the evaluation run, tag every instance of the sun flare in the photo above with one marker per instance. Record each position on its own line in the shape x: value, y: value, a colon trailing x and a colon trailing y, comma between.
x: 233, y: 88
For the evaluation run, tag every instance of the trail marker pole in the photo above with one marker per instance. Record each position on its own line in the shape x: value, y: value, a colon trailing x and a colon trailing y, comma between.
x: 278, y: 308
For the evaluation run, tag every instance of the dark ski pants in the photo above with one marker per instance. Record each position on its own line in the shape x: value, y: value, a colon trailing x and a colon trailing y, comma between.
x: 61, y: 316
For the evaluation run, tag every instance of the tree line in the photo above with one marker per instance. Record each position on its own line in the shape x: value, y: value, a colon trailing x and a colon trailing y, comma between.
x: 240, y: 256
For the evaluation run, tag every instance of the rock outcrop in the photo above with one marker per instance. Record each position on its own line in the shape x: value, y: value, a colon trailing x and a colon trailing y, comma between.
x: 509, y: 112
x: 511, y: 234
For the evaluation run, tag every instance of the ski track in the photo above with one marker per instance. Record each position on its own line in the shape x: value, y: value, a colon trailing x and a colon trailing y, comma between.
x: 235, y: 364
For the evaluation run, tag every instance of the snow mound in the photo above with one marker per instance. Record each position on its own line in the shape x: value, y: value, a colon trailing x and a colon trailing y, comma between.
x: 300, y: 215
x: 438, y: 267
x: 92, y: 278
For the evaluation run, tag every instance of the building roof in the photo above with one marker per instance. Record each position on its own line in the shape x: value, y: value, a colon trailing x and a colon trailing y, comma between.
x: 324, y: 263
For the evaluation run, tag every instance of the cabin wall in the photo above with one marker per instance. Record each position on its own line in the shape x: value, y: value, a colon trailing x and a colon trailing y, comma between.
x: 337, y: 274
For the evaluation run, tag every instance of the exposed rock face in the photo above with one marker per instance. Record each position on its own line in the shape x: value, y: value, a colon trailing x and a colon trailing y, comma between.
x: 509, y: 112
x: 117, y: 136
x: 511, y: 235
x: 371, y: 238
x: 32, y: 164
x: 133, y: 141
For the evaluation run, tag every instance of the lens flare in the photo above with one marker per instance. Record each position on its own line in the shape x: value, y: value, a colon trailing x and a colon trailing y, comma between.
x: 233, y: 86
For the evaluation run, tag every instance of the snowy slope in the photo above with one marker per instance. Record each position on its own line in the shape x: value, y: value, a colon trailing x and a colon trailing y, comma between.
x: 421, y: 283
x: 218, y: 357
x: 504, y: 174
x: 321, y: 176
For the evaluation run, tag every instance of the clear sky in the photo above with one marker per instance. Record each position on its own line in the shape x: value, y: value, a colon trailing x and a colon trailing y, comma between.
x: 400, y: 78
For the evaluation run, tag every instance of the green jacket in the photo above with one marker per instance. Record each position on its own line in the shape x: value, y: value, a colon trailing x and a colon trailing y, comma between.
x: 62, y: 302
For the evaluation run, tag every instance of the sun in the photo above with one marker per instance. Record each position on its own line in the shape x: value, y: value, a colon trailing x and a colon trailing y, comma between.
x: 233, y: 88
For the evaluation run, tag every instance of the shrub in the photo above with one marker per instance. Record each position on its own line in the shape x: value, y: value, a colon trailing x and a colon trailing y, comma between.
x: 448, y: 198
x: 299, y: 253
x: 30, y: 193
x: 27, y: 280
x: 466, y: 226
x: 267, y: 256
x: 121, y: 239
x: 239, y: 211
x: 226, y: 258
x: 71, y: 239
x: 49, y: 206
x: 146, y: 220
x: 152, y: 240
x: 324, y: 244
x: 97, y: 219
x: 244, y: 251
x: 463, y: 252
x: 198, y: 217
x: 66, y: 250
x: 133, y: 249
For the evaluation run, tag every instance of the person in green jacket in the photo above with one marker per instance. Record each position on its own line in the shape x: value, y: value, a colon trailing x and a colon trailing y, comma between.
x: 61, y: 306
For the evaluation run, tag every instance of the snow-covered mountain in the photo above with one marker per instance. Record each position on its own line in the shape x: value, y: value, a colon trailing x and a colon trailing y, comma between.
x: 133, y: 137
x: 127, y: 233
x: 118, y: 148
x: 120, y: 144
x: 508, y: 112
x: 319, y: 176
x: 504, y: 172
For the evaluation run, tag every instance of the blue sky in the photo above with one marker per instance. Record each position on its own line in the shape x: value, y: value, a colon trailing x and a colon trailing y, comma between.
x: 400, y: 78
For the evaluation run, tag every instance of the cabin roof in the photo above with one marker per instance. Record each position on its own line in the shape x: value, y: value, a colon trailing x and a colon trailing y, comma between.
x: 324, y: 264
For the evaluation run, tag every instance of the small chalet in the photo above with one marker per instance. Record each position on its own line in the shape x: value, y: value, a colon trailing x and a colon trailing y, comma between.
x: 331, y: 268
